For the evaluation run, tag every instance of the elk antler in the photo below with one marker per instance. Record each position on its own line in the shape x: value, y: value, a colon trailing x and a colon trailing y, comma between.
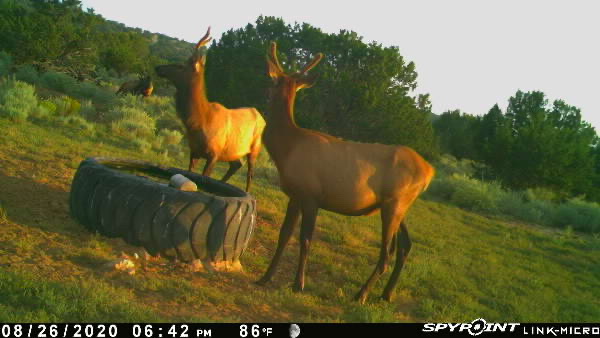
x: 205, y: 39
x: 273, y: 57
x: 313, y: 63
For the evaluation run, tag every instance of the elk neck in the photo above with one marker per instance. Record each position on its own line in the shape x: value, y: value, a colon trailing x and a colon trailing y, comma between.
x: 191, y: 100
x: 281, y: 128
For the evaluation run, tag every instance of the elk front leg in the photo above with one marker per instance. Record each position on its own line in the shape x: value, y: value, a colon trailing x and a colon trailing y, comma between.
x: 287, y: 229
x: 209, y: 166
x: 193, y: 162
x: 250, y: 174
x: 309, y: 218
x: 233, y: 167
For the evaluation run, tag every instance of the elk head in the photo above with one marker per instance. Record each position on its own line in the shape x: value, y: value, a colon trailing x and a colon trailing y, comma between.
x: 284, y: 84
x: 183, y: 74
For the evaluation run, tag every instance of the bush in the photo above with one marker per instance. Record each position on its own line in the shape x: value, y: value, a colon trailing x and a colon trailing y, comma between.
x: 541, y: 194
x: 27, y: 73
x: 66, y: 106
x: 58, y: 82
x: 98, y: 95
x: 442, y: 187
x: 17, y: 100
x: 131, y: 122
x: 579, y: 214
x: 141, y: 145
x: 88, y: 110
x: 519, y: 206
x: 49, y: 106
x: 475, y: 195
x: 170, y: 136
x: 77, y: 123
x: 5, y: 63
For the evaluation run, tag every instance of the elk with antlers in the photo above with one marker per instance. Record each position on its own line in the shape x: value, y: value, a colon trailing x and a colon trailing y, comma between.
x: 213, y: 131
x: 319, y: 171
x: 142, y: 86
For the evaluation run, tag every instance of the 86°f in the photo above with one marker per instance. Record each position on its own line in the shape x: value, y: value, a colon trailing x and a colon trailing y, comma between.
x: 255, y: 331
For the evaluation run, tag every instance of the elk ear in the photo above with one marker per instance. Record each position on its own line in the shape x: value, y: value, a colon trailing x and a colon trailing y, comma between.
x: 199, y: 63
x: 307, y: 82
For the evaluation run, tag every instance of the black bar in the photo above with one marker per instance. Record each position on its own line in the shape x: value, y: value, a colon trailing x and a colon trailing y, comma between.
x: 293, y: 330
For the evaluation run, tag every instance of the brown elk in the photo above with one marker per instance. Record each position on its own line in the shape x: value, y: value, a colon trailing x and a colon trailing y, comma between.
x: 142, y: 86
x: 213, y: 131
x: 319, y: 171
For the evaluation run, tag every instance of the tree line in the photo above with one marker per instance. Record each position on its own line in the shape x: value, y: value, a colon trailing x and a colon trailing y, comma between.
x: 365, y: 91
x: 532, y: 144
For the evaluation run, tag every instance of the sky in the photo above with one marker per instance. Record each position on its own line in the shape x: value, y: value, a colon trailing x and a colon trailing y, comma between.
x: 469, y: 54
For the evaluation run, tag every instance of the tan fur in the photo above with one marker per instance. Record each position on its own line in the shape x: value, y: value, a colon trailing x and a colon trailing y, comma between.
x: 319, y: 171
x: 214, y: 132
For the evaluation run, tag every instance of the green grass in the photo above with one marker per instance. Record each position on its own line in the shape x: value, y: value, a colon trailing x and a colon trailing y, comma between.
x: 463, y: 265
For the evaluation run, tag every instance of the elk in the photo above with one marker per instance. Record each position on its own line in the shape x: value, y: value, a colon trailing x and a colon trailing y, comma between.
x: 142, y: 86
x: 213, y: 131
x: 319, y: 171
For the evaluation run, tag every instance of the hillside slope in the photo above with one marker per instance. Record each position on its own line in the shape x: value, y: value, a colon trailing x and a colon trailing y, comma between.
x: 463, y: 266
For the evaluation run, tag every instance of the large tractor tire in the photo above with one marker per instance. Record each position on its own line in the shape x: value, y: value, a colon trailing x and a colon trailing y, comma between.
x: 125, y: 198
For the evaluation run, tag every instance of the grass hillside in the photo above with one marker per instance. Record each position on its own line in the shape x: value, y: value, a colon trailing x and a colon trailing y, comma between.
x: 463, y: 265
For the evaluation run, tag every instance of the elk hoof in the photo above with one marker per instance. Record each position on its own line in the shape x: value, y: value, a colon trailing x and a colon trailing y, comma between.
x: 387, y: 297
x: 360, y: 297
x: 298, y: 288
x: 263, y: 281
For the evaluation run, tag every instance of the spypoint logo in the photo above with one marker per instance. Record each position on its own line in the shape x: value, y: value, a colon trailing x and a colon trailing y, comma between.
x: 475, y: 328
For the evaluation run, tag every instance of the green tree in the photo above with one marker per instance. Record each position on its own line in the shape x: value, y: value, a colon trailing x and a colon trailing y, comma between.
x: 537, y: 145
x: 457, y: 133
x: 363, y: 92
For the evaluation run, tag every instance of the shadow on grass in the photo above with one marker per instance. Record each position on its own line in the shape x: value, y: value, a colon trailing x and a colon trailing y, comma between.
x: 33, y: 204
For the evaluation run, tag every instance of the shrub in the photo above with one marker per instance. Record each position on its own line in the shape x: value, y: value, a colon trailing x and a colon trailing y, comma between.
x: 174, y: 150
x: 99, y: 95
x: 141, y: 145
x: 476, y: 195
x: 132, y: 123
x: 59, y: 82
x: 49, y: 106
x: 17, y: 100
x: 88, y: 110
x: 517, y: 205
x: 170, y: 136
x: 442, y: 187
x: 541, y: 194
x: 27, y: 73
x: 579, y: 214
x: 77, y: 123
x: 66, y: 106
x: 5, y: 63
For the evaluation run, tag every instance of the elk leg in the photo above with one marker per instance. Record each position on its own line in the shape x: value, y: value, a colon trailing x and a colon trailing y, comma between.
x: 233, y: 167
x: 209, y: 166
x: 193, y: 162
x: 287, y: 229
x: 250, y: 175
x: 393, y: 245
x: 404, y: 245
x: 391, y: 214
x: 309, y: 218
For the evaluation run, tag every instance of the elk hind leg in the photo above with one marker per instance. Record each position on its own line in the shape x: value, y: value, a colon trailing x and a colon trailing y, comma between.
x: 391, y: 214
x: 404, y: 245
x: 234, y: 166
x: 309, y: 219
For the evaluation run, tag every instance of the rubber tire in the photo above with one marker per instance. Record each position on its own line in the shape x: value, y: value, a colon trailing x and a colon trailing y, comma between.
x: 215, y: 223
